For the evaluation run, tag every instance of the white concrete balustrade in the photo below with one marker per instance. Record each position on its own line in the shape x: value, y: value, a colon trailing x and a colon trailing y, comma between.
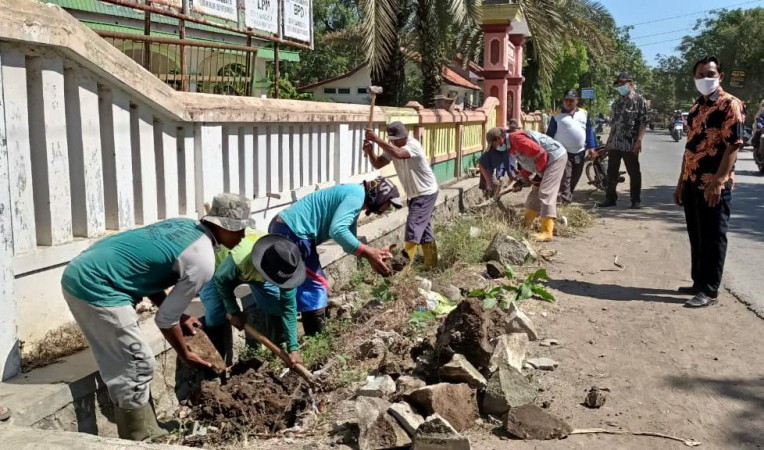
x: 91, y: 143
x: 80, y: 158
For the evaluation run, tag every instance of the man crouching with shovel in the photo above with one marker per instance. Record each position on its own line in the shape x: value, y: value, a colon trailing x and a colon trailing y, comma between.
x: 273, y: 267
x: 104, y: 283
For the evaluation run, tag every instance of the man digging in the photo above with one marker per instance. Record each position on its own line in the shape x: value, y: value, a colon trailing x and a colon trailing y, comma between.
x: 542, y: 162
x: 418, y: 181
x: 104, y: 283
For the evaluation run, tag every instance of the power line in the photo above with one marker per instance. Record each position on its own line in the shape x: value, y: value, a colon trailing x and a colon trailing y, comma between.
x: 693, y: 14
x: 660, y: 42
x: 660, y: 34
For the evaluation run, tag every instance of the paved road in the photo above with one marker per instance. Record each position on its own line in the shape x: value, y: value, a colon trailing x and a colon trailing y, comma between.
x: 744, y: 270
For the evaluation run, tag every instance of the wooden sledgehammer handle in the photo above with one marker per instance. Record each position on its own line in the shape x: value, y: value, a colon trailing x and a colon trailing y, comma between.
x: 299, y: 368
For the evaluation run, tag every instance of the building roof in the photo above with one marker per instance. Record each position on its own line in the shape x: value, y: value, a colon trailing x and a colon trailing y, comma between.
x: 310, y: 86
x: 453, y: 78
x: 449, y: 76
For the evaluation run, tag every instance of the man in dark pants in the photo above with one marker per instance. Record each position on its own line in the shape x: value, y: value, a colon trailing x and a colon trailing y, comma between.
x: 705, y: 184
x: 573, y: 129
x: 625, y: 141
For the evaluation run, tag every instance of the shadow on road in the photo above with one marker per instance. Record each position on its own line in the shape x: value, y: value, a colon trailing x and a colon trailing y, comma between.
x: 746, y: 427
x: 615, y: 292
x: 658, y: 204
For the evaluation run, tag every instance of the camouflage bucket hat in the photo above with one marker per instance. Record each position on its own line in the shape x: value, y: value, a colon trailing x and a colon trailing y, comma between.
x: 230, y: 212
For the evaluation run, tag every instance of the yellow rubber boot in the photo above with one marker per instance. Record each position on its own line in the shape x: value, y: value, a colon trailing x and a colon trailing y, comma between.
x: 410, y: 248
x: 530, y: 216
x: 547, y: 230
x: 430, y: 251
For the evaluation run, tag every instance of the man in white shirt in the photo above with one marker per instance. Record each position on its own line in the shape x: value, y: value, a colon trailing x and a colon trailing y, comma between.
x: 417, y: 179
x: 573, y: 129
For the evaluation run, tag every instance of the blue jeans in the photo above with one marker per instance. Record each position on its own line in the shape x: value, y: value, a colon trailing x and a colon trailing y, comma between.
x: 313, y: 294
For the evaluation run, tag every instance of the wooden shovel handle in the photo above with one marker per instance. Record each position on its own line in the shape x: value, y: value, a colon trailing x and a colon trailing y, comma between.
x: 276, y: 350
x: 371, y: 110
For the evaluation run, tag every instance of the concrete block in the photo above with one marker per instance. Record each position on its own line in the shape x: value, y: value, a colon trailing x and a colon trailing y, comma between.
x: 408, y: 419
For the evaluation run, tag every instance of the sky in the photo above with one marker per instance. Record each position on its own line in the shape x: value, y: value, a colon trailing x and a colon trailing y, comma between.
x: 670, y: 20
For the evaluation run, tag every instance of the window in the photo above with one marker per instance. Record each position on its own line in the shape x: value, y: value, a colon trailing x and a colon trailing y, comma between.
x: 330, y: 90
x: 362, y: 91
x: 343, y: 90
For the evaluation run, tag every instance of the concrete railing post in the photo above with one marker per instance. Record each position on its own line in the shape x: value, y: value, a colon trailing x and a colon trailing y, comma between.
x: 10, y: 360
x: 50, y: 154
x: 83, y: 133
x: 13, y: 76
x: 116, y: 152
x: 144, y: 165
x: 208, y: 162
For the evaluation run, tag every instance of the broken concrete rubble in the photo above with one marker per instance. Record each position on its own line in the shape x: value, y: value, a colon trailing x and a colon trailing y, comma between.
x: 507, y: 388
x: 468, y: 330
x: 543, y: 363
x: 405, y: 385
x: 406, y: 417
x: 377, y: 386
x: 532, y: 422
x: 510, y: 348
x: 459, y: 370
x: 495, y: 270
x: 454, y: 402
x: 448, y: 290
x: 595, y: 398
x: 437, y: 434
x: 520, y: 321
x: 508, y: 250
x: 377, y: 429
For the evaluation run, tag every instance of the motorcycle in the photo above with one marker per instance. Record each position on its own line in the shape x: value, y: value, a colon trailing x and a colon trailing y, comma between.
x: 758, y: 149
x: 677, y: 130
x: 600, y: 125
x: 596, y: 169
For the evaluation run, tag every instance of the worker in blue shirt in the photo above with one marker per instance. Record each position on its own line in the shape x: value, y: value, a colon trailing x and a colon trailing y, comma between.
x: 332, y: 213
x: 573, y: 129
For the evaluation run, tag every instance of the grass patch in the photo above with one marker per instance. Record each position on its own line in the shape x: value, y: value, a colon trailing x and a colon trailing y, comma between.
x: 59, y: 343
x: 457, y: 244
x: 578, y: 216
x: 316, y: 350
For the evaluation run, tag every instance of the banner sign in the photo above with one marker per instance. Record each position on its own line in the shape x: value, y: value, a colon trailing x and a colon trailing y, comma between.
x: 298, y: 20
x: 262, y: 15
x: 225, y: 9
x: 737, y: 78
x: 588, y: 93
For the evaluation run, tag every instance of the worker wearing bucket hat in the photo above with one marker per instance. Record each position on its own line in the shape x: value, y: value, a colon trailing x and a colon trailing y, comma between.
x: 273, y: 267
x: 104, y: 283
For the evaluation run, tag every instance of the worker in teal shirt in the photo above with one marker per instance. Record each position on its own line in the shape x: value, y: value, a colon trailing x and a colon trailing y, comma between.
x: 104, y: 283
x: 332, y: 213
x: 273, y: 267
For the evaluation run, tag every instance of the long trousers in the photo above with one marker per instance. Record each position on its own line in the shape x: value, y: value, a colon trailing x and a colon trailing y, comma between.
x: 707, y: 229
x: 632, y: 168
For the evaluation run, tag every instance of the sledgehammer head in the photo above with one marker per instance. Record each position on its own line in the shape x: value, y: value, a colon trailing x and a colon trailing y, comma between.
x: 376, y: 90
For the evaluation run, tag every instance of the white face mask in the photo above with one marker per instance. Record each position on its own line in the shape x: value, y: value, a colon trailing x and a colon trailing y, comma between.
x: 707, y: 86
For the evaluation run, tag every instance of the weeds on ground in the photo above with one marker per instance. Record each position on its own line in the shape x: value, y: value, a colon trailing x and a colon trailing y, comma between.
x: 504, y: 295
x: 466, y: 238
x: 64, y: 341
x: 578, y: 216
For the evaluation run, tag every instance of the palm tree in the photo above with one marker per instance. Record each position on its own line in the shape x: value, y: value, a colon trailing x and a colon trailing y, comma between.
x: 428, y: 29
x: 438, y: 30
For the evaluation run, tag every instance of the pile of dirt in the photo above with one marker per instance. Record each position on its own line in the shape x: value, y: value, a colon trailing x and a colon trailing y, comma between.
x: 253, y: 402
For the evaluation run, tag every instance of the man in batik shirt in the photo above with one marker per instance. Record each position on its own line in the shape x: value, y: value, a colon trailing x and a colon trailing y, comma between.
x: 705, y: 184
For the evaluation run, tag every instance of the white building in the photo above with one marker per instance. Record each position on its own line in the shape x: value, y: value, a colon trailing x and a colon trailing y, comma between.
x: 351, y: 86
